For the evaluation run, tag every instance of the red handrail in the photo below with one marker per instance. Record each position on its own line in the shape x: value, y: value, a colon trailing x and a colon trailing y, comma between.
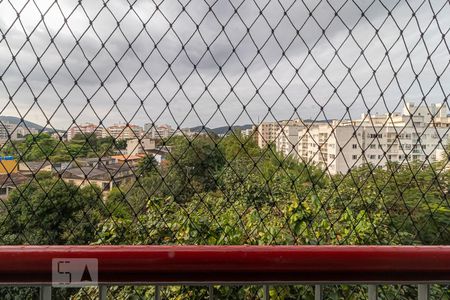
x: 197, y: 264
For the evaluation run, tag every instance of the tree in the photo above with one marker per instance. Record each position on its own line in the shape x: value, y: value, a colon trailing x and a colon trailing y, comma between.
x: 50, y: 211
x: 147, y: 166
x: 192, y: 166
x: 120, y: 144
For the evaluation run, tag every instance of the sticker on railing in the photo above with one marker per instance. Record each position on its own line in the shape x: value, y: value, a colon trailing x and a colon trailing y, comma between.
x: 74, y: 272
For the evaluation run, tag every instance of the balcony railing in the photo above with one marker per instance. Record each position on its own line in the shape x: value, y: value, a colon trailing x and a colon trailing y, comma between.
x: 234, y: 265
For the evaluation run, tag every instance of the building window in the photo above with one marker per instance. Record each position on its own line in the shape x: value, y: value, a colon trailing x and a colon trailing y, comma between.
x: 3, y: 191
x: 354, y: 157
x: 354, y: 146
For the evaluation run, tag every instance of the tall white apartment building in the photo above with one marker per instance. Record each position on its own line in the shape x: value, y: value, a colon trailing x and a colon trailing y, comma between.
x: 266, y: 133
x: 418, y: 133
x: 287, y: 138
x: 433, y: 112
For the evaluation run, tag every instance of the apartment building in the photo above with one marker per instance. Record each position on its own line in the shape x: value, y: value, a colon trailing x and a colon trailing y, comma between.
x: 436, y: 113
x: 13, y: 132
x: 9, y: 182
x: 266, y: 133
x: 5, y: 130
x: 123, y: 131
x: 418, y: 133
x: 140, y: 146
x: 187, y: 132
x: 247, y: 132
x: 154, y: 131
x: 85, y: 129
x: 287, y: 138
x: 105, y: 173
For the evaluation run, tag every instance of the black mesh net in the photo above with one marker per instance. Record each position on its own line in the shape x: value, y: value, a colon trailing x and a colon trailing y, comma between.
x: 225, y: 123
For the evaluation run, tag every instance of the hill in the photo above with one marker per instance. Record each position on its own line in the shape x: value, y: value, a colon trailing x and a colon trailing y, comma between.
x: 221, y: 130
x: 17, y: 121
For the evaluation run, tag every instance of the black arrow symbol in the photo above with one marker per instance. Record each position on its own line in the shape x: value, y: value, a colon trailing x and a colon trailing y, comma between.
x: 86, y: 275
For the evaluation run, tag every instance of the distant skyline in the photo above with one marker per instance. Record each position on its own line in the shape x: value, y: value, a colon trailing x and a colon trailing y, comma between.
x: 407, y: 63
x: 30, y: 124
x: 105, y: 125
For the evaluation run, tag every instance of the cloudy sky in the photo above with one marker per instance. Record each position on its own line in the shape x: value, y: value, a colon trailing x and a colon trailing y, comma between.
x: 219, y: 62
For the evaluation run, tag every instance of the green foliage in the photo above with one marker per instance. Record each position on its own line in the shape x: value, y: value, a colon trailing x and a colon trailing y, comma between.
x: 42, y: 146
x: 228, y: 191
x: 147, y: 166
x: 192, y: 166
x: 33, y: 147
x: 49, y: 211
x: 118, y: 144
x: 235, y: 195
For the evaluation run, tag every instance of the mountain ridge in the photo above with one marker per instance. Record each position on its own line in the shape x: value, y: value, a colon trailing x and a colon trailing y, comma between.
x: 222, y: 129
x: 29, y: 124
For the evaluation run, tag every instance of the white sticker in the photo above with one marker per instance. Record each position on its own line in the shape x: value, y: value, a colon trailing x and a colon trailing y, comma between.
x: 74, y: 272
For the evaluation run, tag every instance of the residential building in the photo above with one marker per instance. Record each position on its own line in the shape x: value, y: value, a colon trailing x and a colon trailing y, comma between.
x: 411, y: 135
x: 13, y: 132
x: 247, y: 132
x: 266, y: 133
x: 154, y: 131
x: 184, y: 132
x: 21, y: 131
x: 140, y: 146
x: 287, y: 139
x: 29, y: 168
x: 132, y: 160
x: 160, y: 153
x: 105, y: 175
x: 328, y: 146
x: 85, y: 129
x: 9, y: 182
x: 436, y: 113
x: 123, y: 131
x: 5, y: 130
x: 60, y: 135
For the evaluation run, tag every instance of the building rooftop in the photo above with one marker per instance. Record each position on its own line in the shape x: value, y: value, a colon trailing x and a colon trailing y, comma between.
x: 13, y: 180
x: 97, y: 172
x: 33, y: 166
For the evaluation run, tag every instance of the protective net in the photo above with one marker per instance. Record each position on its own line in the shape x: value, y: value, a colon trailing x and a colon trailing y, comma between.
x: 225, y: 123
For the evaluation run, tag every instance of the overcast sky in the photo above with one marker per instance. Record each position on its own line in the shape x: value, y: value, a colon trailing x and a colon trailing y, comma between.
x: 223, y: 56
